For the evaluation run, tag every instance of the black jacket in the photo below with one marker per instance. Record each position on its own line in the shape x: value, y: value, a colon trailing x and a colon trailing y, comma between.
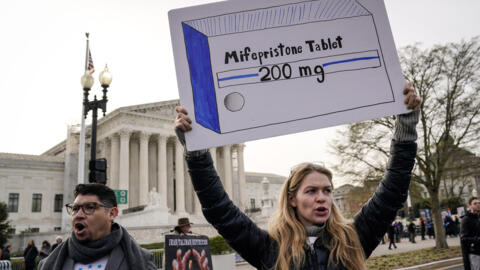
x: 470, y: 237
x: 6, y: 254
x: 261, y: 251
x: 29, y: 255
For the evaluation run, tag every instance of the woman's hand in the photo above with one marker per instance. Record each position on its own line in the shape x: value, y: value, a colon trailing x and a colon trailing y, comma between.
x: 412, y: 100
x: 182, y: 121
x: 405, y: 124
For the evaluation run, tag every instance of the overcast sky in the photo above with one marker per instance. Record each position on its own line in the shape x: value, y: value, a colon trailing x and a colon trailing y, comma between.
x: 42, y: 54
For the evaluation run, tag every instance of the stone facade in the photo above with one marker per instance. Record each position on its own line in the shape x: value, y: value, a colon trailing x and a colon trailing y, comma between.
x: 339, y: 197
x: 29, y: 186
x: 262, y: 194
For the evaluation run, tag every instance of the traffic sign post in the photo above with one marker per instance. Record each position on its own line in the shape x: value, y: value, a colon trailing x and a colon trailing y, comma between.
x: 122, y: 196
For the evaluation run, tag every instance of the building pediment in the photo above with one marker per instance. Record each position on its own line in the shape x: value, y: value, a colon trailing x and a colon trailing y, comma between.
x: 163, y: 110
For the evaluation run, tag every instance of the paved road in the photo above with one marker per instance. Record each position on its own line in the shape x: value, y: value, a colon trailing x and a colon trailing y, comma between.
x: 403, y: 246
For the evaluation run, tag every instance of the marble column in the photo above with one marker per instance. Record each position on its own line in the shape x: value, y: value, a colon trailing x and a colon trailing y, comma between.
x: 227, y: 165
x: 100, y: 149
x: 162, y: 169
x: 241, y: 177
x: 124, y: 162
x: 113, y: 163
x: 143, y: 169
x: 179, y: 178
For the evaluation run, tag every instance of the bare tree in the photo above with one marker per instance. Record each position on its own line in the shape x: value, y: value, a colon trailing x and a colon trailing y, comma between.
x: 447, y: 78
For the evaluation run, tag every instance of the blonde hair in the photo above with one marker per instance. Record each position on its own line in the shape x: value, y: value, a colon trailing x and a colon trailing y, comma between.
x: 291, y: 236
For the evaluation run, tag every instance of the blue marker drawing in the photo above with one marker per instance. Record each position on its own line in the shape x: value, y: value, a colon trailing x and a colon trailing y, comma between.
x: 349, y: 60
x: 238, y: 77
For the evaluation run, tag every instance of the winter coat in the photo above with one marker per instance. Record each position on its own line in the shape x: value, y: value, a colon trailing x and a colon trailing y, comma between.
x: 260, y: 250
x: 470, y: 232
x: 391, y: 232
x: 29, y: 255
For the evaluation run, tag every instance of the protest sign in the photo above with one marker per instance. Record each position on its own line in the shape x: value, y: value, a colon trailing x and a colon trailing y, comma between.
x: 254, y: 69
x: 193, y: 250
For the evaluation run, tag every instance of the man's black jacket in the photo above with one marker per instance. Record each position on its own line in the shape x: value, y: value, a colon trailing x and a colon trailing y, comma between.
x: 470, y: 236
x: 260, y: 250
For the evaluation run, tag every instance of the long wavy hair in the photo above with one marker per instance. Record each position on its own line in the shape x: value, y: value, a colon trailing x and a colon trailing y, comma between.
x: 287, y: 230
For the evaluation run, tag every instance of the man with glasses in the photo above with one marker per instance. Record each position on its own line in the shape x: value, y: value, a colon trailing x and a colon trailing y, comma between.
x: 97, y: 242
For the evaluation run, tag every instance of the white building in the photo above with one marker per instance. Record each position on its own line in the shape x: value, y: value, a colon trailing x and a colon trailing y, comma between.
x: 144, y: 158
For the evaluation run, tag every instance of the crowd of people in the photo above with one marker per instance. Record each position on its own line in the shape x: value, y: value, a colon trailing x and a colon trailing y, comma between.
x: 31, y: 254
x: 422, y: 227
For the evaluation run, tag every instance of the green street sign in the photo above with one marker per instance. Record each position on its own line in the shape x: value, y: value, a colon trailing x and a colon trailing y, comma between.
x: 122, y: 196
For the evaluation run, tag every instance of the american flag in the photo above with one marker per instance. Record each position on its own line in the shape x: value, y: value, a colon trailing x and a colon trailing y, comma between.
x: 90, y: 66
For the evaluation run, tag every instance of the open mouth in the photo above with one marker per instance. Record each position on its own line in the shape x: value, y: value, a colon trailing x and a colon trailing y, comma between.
x: 321, y: 211
x: 79, y: 228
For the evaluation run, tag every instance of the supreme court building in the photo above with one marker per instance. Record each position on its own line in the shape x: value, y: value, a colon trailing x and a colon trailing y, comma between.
x: 144, y: 158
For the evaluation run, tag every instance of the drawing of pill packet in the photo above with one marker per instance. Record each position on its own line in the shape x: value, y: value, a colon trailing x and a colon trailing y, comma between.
x: 279, y: 64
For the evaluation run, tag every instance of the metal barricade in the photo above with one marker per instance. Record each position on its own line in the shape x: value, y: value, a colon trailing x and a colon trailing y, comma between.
x: 5, y: 265
x: 158, y: 257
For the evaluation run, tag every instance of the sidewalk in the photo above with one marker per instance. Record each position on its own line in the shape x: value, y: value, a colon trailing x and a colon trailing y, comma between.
x: 403, y: 246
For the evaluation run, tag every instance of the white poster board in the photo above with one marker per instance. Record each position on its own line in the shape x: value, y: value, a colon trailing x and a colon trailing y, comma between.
x: 254, y: 69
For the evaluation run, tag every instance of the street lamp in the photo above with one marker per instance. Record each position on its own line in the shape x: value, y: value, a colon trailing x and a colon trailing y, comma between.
x: 97, y: 167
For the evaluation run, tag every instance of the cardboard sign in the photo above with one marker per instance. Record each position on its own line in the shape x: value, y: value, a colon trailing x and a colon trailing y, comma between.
x: 193, y: 249
x: 254, y: 69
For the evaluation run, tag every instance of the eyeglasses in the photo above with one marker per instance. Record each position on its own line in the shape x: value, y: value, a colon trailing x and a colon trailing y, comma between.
x: 87, y: 208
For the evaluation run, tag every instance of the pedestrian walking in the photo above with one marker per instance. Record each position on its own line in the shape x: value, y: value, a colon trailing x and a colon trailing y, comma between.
x: 422, y: 228
x: 391, y: 236
x: 430, y: 229
x: 399, y: 231
x: 411, y: 231
x: 449, y: 226
x: 308, y: 231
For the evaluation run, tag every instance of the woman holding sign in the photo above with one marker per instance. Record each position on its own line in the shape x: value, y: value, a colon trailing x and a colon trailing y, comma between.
x: 308, y: 231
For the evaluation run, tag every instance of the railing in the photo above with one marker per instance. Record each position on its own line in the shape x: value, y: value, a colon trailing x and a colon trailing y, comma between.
x: 16, y: 263
x: 158, y: 257
x: 5, y: 265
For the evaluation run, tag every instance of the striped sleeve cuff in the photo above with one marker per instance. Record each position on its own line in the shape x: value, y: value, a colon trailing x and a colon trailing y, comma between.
x: 405, y: 126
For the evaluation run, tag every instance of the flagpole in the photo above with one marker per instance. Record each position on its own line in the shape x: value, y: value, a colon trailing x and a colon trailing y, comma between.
x: 81, y: 150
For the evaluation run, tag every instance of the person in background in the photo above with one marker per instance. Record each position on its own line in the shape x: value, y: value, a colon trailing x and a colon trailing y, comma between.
x: 58, y: 240
x: 430, y: 229
x: 29, y: 255
x: 422, y: 228
x: 411, y: 231
x: 6, y: 253
x: 183, y: 226
x: 470, y: 235
x: 44, y: 250
x: 449, y: 226
x: 391, y: 236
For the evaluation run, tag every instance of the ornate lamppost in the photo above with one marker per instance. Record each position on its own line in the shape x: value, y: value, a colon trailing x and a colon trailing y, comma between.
x: 97, y: 167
